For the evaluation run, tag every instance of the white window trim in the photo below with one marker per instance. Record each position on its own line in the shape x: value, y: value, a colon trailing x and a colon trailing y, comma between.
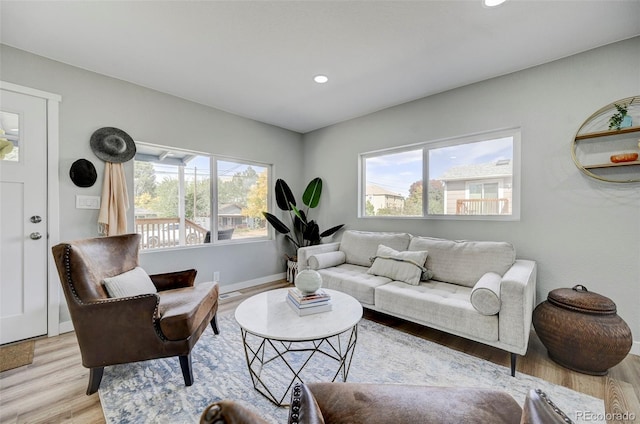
x: 213, y: 167
x: 514, y: 132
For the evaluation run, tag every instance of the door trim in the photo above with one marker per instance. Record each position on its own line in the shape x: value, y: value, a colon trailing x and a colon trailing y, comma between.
x: 53, y: 202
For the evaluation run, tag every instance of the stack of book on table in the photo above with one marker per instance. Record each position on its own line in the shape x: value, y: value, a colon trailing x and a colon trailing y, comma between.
x: 307, y: 304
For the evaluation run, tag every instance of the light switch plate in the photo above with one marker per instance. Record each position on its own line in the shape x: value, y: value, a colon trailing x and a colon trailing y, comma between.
x: 87, y: 202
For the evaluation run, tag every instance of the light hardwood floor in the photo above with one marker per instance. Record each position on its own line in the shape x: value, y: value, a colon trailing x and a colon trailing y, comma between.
x: 52, y: 388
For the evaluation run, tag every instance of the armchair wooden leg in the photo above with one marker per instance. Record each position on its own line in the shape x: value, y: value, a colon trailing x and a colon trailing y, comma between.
x: 513, y: 364
x: 95, y: 377
x: 187, y: 373
x: 214, y: 324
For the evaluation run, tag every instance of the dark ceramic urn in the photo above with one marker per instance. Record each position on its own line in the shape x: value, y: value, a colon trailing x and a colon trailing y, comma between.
x: 582, y: 330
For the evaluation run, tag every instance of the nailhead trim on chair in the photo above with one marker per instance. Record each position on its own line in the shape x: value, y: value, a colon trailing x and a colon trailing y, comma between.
x: 557, y: 410
x: 296, y: 402
x: 67, y: 267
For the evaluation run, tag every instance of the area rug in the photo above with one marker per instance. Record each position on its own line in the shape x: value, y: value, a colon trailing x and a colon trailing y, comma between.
x: 154, y: 391
x: 16, y: 355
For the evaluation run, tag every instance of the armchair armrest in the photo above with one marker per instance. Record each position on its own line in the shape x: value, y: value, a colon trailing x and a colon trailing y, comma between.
x: 108, y: 340
x: 517, y: 297
x: 174, y: 280
x: 229, y: 412
x: 305, y: 252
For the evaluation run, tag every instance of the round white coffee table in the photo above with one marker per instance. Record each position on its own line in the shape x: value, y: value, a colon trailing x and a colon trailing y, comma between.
x: 279, y: 345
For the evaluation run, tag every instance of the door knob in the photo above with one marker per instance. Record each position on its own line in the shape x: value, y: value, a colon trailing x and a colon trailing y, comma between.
x: 36, y: 218
x: 35, y: 236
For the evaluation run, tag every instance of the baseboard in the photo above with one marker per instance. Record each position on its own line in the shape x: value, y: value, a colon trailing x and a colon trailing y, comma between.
x: 635, y: 348
x: 65, y: 327
x: 226, y: 288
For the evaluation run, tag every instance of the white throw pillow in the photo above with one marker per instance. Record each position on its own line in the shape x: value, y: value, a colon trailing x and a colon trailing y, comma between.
x: 326, y: 260
x: 130, y: 283
x: 485, y: 296
x: 399, y: 266
x: 360, y: 246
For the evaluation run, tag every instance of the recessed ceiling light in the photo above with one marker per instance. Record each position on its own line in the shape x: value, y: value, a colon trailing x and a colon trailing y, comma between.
x: 493, y: 3
x: 321, y: 79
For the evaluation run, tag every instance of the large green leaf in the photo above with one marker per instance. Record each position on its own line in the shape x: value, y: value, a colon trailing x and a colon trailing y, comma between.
x: 284, y: 195
x: 278, y: 225
x: 331, y: 231
x: 312, y: 233
x: 311, y: 195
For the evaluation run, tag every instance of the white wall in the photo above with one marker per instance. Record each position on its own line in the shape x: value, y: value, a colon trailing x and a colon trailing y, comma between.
x: 579, y: 230
x: 91, y: 101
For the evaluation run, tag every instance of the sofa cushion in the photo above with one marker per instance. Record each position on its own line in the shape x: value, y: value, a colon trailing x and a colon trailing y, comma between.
x: 326, y: 260
x: 485, y: 296
x: 464, y: 262
x: 439, y: 305
x: 401, y: 266
x: 352, y: 280
x: 360, y: 246
x: 130, y: 283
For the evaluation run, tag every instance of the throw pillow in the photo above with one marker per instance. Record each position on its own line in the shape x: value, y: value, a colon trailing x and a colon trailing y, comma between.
x: 400, y: 266
x: 485, y: 296
x: 326, y: 260
x: 130, y: 283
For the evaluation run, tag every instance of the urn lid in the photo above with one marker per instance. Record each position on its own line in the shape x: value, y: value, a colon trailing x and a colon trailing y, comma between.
x: 580, y: 299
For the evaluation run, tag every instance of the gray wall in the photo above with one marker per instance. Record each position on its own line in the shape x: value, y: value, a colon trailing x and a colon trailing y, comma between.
x: 579, y: 230
x: 91, y: 101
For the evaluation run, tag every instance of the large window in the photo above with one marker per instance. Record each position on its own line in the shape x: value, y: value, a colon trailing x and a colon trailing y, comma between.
x: 473, y: 177
x: 174, y: 192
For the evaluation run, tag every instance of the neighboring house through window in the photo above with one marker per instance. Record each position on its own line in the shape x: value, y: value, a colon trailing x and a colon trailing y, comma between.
x: 173, y: 198
x: 472, y: 177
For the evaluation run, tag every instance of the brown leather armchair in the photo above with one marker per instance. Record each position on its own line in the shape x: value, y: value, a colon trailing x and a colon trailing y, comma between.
x: 113, y: 331
x: 353, y: 403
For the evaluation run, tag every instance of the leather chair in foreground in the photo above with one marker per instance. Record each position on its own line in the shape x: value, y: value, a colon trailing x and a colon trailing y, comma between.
x: 118, y: 330
x: 354, y: 403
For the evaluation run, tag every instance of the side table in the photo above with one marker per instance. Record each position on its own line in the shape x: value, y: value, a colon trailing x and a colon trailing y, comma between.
x: 281, y: 346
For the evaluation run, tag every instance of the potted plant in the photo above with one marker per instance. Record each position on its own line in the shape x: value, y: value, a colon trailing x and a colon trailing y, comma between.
x: 620, y: 119
x: 301, y: 231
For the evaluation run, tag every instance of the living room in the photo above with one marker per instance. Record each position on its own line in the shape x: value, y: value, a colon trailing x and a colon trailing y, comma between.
x: 578, y: 230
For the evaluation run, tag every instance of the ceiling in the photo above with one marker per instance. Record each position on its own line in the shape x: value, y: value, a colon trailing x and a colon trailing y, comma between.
x: 257, y: 58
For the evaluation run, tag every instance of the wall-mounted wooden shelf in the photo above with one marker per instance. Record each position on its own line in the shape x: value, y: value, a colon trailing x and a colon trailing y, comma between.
x: 594, y: 145
x: 612, y: 165
x: 607, y: 133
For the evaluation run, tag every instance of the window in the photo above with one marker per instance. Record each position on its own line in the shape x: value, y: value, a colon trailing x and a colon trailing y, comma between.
x: 173, y: 198
x: 9, y: 136
x: 474, y: 177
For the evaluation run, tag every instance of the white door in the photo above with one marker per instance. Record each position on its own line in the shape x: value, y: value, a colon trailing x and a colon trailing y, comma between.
x: 23, y: 217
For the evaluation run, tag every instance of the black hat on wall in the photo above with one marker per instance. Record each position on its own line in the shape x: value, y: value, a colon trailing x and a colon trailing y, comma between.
x: 113, y: 145
x: 83, y: 173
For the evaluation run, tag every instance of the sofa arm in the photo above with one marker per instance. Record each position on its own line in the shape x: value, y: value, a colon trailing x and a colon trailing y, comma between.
x: 305, y: 252
x: 517, y: 297
x: 539, y: 409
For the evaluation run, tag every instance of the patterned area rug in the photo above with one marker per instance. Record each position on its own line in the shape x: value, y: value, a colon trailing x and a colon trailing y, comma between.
x: 154, y: 391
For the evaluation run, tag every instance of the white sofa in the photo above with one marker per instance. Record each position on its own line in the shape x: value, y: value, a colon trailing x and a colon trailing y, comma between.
x: 473, y: 289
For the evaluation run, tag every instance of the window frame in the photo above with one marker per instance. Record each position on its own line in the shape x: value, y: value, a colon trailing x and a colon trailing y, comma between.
x: 515, y: 133
x: 213, y: 192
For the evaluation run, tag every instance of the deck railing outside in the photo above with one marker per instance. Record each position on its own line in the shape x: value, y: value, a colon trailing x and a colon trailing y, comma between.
x: 165, y: 232
x: 482, y: 207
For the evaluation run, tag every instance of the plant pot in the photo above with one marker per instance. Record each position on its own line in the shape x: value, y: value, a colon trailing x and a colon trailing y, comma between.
x: 292, y: 270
